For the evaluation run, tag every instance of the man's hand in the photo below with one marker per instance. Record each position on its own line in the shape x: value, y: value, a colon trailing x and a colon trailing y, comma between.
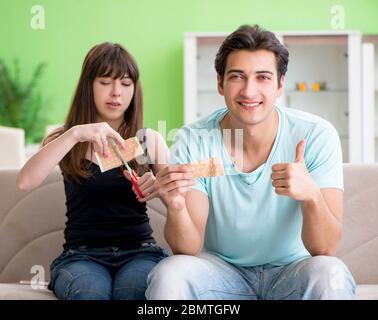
x: 293, y: 179
x: 172, y: 183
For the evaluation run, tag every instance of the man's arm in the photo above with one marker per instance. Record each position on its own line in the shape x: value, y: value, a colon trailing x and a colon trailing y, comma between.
x: 321, y: 208
x: 322, y: 222
x: 187, y: 209
x: 185, y: 228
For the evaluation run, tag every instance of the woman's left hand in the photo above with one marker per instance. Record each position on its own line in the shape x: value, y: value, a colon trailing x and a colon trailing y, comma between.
x: 145, y: 184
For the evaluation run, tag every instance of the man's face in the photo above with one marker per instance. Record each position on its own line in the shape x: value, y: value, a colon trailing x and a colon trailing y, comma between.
x: 250, y: 85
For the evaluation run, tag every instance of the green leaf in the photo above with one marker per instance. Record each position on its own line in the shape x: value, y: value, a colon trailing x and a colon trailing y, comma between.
x: 21, y: 102
x: 5, y: 83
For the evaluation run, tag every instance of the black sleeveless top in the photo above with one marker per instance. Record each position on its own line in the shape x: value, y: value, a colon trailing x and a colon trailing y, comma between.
x: 103, y: 211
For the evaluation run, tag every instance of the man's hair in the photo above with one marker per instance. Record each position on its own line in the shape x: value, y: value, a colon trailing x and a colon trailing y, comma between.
x: 252, y: 38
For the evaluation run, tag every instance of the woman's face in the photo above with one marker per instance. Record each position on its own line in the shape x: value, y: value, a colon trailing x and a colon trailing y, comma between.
x: 112, y: 97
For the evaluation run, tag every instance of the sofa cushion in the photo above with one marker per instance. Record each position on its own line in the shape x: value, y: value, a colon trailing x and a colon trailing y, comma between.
x: 31, y: 226
x: 31, y: 230
x: 359, y: 244
x: 15, y: 291
x: 367, y: 292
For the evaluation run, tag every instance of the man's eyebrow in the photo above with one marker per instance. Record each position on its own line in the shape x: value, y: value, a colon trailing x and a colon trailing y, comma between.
x: 241, y: 71
x: 264, y: 71
x: 235, y: 70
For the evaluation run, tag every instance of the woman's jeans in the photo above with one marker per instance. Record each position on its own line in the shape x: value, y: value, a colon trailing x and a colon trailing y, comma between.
x: 210, y: 277
x: 105, y: 273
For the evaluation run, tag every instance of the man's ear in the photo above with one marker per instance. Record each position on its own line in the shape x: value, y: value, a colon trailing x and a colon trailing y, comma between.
x: 220, y: 85
x: 281, y: 86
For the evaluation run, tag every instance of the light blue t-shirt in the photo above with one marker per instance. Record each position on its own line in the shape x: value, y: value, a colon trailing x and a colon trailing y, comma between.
x: 248, y: 223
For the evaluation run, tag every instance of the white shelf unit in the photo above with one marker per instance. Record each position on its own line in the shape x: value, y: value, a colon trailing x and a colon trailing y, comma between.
x: 330, y: 57
x: 370, y: 97
x: 200, y: 81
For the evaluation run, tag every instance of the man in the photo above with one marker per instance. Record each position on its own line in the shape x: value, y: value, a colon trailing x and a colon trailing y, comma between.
x: 268, y: 228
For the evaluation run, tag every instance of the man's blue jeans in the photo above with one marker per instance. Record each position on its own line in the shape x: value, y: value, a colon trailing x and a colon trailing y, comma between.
x: 105, y: 273
x: 210, y: 277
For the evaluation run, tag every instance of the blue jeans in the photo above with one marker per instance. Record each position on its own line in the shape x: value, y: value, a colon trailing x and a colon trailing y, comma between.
x: 210, y: 277
x: 105, y: 273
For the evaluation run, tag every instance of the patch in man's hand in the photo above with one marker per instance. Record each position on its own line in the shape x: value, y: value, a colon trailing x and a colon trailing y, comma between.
x: 133, y: 150
x: 206, y: 168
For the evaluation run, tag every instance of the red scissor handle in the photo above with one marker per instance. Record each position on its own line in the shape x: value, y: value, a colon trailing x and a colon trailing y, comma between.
x: 134, y: 175
x: 134, y: 179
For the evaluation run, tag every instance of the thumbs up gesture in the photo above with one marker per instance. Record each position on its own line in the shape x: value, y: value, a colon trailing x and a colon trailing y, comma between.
x: 293, y: 179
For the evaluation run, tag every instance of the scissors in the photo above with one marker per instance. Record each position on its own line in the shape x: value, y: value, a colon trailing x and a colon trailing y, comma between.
x: 132, y: 173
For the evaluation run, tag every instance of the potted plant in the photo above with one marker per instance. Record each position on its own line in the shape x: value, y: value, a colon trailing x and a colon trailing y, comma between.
x: 21, y: 102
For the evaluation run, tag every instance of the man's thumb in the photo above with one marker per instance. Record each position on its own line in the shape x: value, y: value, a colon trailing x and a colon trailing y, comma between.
x: 299, y: 152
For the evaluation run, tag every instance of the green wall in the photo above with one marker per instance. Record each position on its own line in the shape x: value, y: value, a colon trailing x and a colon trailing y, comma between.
x: 153, y: 31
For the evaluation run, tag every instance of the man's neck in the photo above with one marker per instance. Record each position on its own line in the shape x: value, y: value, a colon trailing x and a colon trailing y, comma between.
x: 255, y: 137
x: 257, y: 143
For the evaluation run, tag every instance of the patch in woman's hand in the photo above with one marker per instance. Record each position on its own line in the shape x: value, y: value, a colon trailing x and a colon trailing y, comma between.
x: 133, y: 149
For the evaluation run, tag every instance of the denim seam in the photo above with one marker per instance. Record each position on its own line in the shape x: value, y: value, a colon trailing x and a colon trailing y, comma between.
x: 72, y: 278
x: 66, y: 273
x: 126, y: 287
x: 231, y: 291
x: 227, y: 292
x: 120, y: 288
x: 211, y: 272
x: 288, y: 295
x: 93, y: 291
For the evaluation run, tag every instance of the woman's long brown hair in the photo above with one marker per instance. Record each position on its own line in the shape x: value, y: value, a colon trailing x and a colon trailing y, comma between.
x: 103, y: 60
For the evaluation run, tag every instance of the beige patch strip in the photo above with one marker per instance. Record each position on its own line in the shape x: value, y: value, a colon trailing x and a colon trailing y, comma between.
x: 206, y: 168
x: 133, y: 150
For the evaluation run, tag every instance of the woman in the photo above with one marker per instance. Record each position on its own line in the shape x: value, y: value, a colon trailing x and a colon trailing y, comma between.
x: 109, y: 249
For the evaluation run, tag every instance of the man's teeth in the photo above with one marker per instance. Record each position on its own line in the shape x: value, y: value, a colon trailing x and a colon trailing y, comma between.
x: 250, y: 104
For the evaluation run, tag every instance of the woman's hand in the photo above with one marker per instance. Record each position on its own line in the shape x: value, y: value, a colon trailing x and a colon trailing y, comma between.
x: 146, y: 185
x: 97, y: 134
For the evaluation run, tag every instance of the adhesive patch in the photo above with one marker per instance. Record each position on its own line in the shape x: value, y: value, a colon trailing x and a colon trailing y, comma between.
x: 133, y: 150
x: 206, y: 168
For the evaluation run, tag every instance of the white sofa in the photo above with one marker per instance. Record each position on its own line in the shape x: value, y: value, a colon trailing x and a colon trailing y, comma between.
x: 31, y: 231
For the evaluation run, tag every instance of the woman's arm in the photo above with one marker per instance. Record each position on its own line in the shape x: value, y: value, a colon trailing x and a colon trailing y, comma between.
x: 44, y: 161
